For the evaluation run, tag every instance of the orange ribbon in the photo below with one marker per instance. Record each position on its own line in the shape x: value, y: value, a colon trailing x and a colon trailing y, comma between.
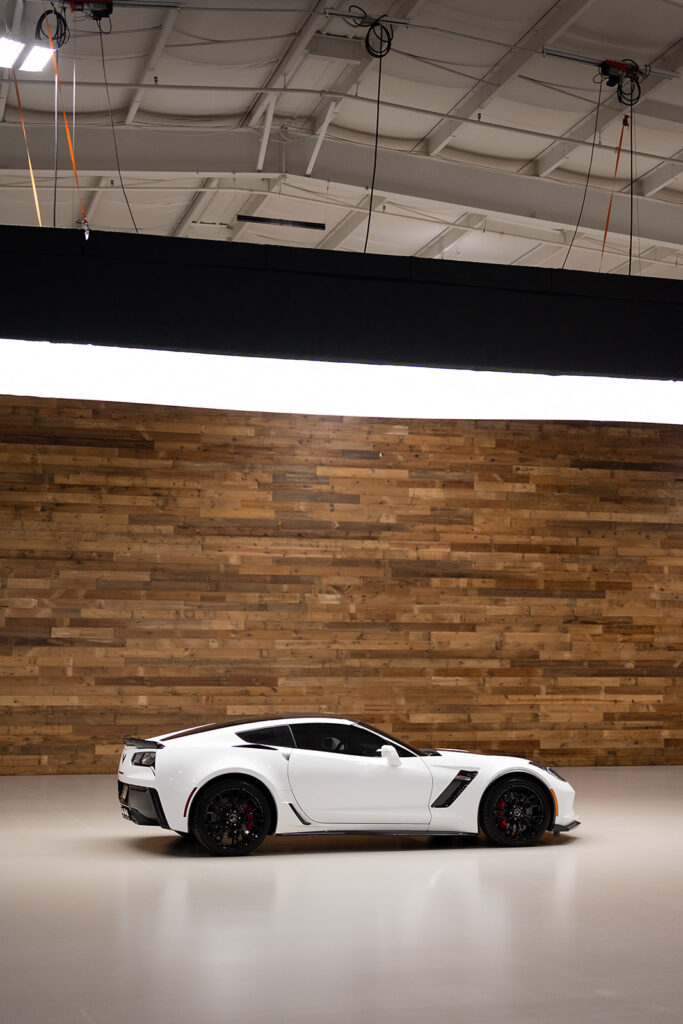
x: 624, y: 124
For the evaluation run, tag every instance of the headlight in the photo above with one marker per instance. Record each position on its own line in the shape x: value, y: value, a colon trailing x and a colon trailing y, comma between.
x: 147, y: 758
x: 548, y: 769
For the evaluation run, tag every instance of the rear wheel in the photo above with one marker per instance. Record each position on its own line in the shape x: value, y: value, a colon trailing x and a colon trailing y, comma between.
x: 231, y: 818
x: 515, y: 812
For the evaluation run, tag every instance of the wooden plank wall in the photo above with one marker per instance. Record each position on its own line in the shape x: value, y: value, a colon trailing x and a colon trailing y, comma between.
x: 499, y: 586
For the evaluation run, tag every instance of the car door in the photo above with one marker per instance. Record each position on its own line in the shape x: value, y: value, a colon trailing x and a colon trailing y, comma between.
x: 337, y: 778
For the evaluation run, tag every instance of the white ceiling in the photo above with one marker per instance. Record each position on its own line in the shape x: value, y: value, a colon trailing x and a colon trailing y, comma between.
x: 502, y: 183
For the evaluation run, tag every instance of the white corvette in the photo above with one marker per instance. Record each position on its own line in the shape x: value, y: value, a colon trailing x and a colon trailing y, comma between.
x: 230, y: 786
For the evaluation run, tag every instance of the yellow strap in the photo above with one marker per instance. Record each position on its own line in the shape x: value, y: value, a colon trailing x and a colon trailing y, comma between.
x: 28, y: 154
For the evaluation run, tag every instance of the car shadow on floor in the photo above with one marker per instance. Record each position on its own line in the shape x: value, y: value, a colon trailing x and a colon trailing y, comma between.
x: 172, y: 845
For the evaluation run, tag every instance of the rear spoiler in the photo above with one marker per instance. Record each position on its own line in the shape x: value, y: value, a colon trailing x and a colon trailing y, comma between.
x: 133, y: 741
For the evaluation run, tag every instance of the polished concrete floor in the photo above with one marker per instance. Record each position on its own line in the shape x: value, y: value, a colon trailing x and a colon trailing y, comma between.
x: 104, y: 922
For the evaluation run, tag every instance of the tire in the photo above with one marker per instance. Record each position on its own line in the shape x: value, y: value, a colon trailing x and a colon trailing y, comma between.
x: 515, y: 811
x: 231, y: 818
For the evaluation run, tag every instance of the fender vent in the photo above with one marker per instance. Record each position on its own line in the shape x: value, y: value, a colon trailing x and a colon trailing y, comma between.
x: 302, y: 820
x: 454, y: 789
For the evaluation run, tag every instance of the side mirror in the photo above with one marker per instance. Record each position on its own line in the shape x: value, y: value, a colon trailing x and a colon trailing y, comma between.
x: 390, y: 755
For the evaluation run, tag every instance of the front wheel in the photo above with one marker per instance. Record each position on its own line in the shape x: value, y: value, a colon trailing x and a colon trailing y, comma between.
x: 515, y: 812
x: 232, y: 817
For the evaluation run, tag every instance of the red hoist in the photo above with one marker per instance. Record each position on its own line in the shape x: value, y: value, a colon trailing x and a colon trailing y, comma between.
x: 95, y: 10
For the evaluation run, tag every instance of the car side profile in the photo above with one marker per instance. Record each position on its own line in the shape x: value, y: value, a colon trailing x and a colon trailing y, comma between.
x: 229, y: 786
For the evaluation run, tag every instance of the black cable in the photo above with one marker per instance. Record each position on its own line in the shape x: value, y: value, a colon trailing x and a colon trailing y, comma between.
x: 56, y: 147
x: 588, y: 176
x: 636, y: 217
x: 356, y: 20
x: 630, y: 225
x: 378, y: 39
x: 113, y: 129
x: 374, y: 162
x: 628, y: 88
x: 61, y: 33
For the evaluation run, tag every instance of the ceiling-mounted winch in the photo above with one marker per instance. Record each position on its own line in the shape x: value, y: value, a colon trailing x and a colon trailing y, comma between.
x: 93, y: 8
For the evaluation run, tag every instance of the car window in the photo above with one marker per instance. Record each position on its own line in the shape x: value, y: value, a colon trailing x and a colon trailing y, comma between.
x: 274, y: 735
x: 370, y: 738
x: 337, y: 738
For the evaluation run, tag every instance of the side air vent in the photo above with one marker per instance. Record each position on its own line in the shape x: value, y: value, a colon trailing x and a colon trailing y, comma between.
x: 302, y: 820
x: 454, y: 789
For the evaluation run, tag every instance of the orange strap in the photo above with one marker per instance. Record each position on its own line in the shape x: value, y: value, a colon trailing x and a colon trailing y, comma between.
x: 28, y: 154
x: 66, y: 125
x: 624, y: 124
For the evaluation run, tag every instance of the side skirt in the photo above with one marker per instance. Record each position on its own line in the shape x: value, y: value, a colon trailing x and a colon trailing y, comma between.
x: 377, y: 832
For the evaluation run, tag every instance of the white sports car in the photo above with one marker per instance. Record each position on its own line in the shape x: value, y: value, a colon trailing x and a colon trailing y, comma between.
x: 231, y: 785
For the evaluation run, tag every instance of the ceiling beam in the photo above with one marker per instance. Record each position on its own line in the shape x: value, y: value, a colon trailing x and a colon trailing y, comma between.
x: 539, y: 255
x: 661, y: 111
x: 15, y: 30
x: 322, y: 118
x: 250, y: 208
x: 196, y: 206
x: 659, y: 177
x: 556, y: 20
x: 353, y: 220
x: 290, y: 63
x: 653, y: 255
x: 611, y: 110
x: 147, y: 152
x: 96, y: 195
x: 446, y: 239
x: 152, y: 61
x: 265, y: 133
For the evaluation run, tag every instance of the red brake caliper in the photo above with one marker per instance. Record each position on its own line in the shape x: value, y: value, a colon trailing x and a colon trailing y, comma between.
x: 249, y: 817
x: 500, y: 808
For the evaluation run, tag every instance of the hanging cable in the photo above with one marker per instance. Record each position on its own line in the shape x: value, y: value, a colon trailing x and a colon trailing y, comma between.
x: 630, y: 222
x: 28, y: 154
x: 636, y: 218
x: 624, y: 125
x: 378, y: 39
x: 113, y: 129
x: 56, y: 150
x: 84, y: 219
x: 73, y: 118
x: 374, y: 160
x: 57, y: 37
x: 588, y: 176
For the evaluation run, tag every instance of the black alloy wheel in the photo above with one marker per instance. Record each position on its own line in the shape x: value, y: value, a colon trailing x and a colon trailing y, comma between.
x: 231, y: 818
x: 515, y: 812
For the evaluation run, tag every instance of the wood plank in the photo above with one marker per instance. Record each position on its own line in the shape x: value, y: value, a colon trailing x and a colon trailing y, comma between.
x: 509, y: 586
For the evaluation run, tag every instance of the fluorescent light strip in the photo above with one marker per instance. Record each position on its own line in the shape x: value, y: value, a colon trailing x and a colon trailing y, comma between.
x: 48, y: 370
x: 9, y: 51
x: 36, y: 59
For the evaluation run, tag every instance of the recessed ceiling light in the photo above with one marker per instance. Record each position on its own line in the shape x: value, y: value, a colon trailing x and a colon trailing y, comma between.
x: 9, y: 51
x: 37, y: 58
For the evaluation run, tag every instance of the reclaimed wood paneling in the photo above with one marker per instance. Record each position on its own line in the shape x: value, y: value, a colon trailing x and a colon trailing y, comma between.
x: 501, y: 586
